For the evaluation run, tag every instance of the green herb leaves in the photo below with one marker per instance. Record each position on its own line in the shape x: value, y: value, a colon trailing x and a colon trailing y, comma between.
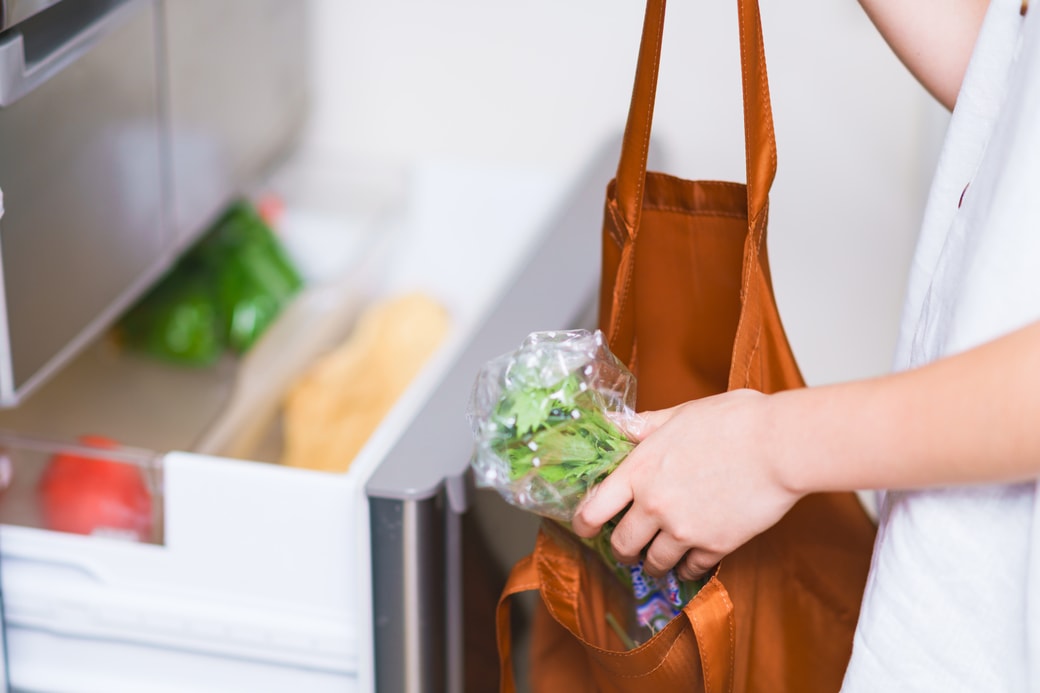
x: 546, y: 420
x: 560, y: 433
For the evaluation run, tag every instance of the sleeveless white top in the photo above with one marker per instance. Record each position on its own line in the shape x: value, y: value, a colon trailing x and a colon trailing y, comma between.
x: 952, y: 600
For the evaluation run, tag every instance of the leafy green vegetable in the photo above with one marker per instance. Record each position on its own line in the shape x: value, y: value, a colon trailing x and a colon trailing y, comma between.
x: 559, y: 433
x: 544, y: 421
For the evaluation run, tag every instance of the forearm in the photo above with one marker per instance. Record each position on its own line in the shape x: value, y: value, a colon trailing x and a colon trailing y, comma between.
x: 933, y: 38
x: 970, y: 418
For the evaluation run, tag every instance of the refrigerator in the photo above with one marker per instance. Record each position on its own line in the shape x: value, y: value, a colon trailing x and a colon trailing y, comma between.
x: 126, y: 127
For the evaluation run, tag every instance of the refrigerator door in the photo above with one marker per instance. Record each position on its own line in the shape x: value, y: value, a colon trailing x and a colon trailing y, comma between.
x: 126, y: 126
x: 264, y: 577
x: 237, y: 98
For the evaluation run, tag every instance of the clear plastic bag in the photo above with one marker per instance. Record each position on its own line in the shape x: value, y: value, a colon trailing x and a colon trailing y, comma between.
x: 548, y: 420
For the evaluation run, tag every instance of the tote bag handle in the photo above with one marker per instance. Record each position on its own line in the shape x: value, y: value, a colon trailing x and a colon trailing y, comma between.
x: 617, y: 316
x: 759, y: 136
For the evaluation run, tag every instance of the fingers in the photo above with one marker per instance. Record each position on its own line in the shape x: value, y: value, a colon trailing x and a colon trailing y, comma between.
x: 696, y: 564
x: 614, y: 493
x: 649, y: 421
x: 632, y: 535
x: 664, y: 553
x: 602, y: 502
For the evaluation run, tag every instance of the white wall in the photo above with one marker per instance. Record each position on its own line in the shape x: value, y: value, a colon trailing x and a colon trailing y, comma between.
x: 544, y: 82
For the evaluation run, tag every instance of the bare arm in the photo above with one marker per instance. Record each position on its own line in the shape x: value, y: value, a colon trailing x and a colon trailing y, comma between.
x: 710, y: 474
x: 933, y: 38
x: 969, y: 418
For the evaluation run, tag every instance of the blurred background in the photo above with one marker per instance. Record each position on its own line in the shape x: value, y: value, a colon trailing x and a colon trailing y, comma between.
x: 545, y: 83
x: 253, y: 253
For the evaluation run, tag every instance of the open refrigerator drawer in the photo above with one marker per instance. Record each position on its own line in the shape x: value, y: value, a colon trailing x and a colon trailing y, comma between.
x: 252, y: 575
x: 150, y: 538
x: 243, y: 585
x: 231, y: 571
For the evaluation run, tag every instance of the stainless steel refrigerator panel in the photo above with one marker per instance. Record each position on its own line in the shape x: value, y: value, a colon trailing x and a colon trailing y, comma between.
x: 126, y: 126
x: 43, y: 46
x: 409, y: 600
x: 237, y: 97
x: 81, y: 173
x: 14, y: 11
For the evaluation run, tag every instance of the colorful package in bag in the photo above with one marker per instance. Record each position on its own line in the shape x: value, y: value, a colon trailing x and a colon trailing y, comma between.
x: 548, y: 423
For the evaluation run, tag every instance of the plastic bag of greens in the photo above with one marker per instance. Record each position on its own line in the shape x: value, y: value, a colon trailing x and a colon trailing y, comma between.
x: 548, y: 423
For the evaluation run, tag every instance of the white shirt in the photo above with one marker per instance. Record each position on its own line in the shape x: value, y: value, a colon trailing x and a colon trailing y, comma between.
x: 952, y: 599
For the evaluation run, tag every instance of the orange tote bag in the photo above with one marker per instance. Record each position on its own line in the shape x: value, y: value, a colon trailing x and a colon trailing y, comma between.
x: 687, y: 303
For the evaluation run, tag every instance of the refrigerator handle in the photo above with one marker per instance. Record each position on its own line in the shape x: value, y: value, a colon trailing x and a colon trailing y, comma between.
x: 44, y: 45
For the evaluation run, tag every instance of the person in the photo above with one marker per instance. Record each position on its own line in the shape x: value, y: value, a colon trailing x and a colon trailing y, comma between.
x: 951, y: 438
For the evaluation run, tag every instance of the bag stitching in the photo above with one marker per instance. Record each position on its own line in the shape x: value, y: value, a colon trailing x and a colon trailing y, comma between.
x: 687, y: 181
x: 685, y: 634
x: 752, y: 354
x: 745, y: 282
x: 657, y: 666
x: 698, y: 213
x: 617, y: 229
x: 640, y: 649
x: 764, y: 94
x: 758, y: 334
x: 764, y: 86
x: 705, y: 669
x: 543, y: 588
x: 747, y: 131
x: 554, y: 590
x: 753, y: 225
x: 626, y: 291
x: 762, y: 234
x: 641, y: 183
x: 732, y: 640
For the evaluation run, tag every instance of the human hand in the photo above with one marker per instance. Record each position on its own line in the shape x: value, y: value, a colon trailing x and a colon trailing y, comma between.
x: 701, y: 482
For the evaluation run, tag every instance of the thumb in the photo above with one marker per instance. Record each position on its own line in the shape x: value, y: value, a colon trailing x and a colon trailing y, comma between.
x: 645, y: 423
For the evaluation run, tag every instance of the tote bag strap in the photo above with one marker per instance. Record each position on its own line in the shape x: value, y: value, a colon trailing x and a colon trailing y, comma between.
x: 711, y: 614
x: 760, y: 152
x: 630, y: 182
x: 759, y: 137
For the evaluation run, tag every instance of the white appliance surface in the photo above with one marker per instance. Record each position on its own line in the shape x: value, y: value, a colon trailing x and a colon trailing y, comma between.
x: 263, y: 579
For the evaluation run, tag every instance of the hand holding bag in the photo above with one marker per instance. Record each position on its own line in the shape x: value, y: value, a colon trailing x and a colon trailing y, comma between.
x: 687, y: 303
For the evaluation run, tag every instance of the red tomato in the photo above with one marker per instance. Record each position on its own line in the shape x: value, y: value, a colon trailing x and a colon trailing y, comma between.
x: 85, y: 495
